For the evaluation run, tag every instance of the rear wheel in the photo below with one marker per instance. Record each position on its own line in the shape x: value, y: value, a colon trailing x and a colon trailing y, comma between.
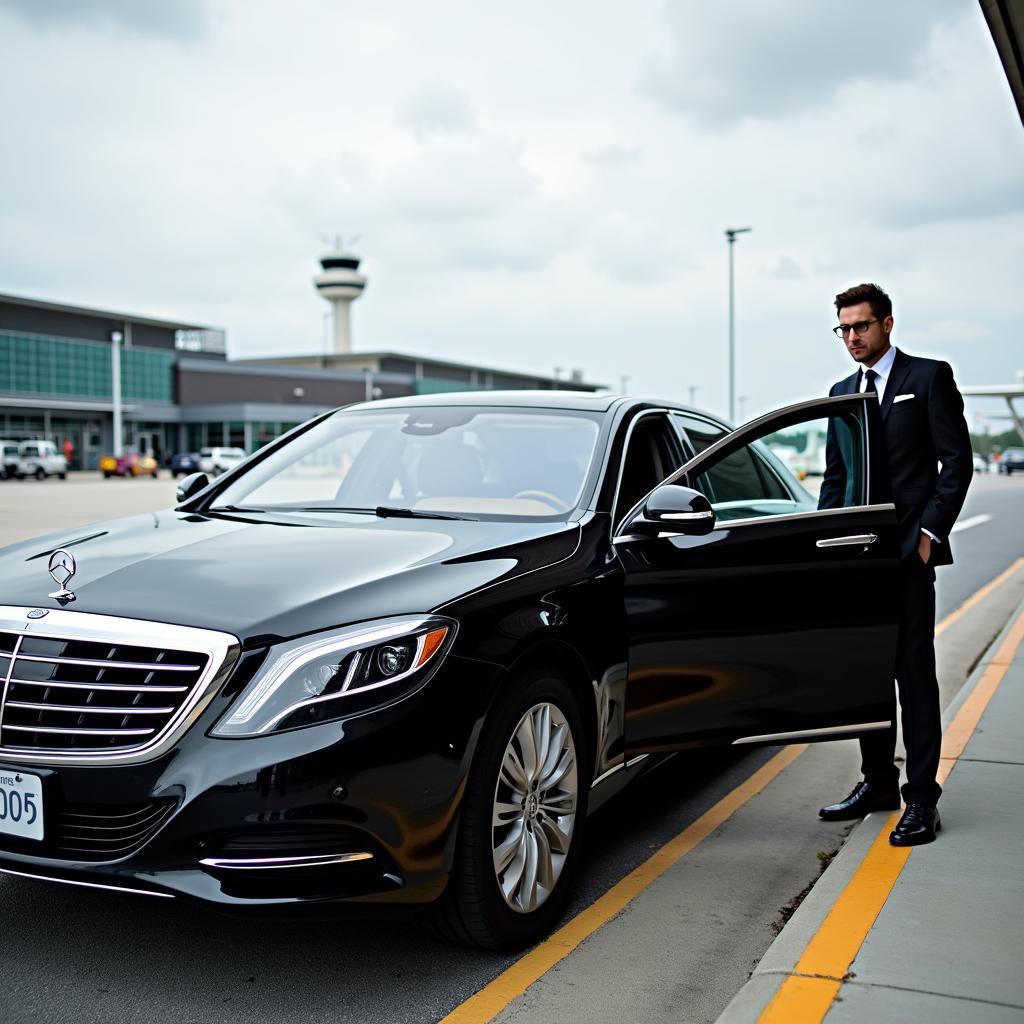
x: 522, y: 819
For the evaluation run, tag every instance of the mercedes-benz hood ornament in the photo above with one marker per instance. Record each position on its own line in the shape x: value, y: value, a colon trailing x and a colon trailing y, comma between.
x: 62, y: 567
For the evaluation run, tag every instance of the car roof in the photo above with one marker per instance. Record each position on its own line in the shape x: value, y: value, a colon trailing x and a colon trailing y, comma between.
x: 535, y: 399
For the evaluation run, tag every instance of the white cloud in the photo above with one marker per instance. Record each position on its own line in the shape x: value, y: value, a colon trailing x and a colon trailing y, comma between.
x: 748, y: 59
x: 613, y: 155
x: 182, y: 20
x: 437, y: 108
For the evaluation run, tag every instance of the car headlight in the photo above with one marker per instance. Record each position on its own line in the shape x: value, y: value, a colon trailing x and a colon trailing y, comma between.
x: 338, y: 674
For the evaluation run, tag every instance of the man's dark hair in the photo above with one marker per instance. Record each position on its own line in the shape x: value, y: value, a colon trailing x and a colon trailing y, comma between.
x: 881, y: 304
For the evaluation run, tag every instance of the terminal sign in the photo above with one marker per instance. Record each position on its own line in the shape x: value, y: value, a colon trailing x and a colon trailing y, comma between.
x: 200, y: 340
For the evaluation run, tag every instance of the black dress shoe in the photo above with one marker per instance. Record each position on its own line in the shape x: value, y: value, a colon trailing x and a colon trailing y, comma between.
x: 865, y: 797
x: 917, y: 826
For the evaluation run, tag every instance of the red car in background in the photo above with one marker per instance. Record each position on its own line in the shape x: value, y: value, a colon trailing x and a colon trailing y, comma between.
x: 129, y: 464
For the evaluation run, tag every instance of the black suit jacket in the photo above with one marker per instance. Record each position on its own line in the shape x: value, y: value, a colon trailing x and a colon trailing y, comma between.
x: 930, y: 460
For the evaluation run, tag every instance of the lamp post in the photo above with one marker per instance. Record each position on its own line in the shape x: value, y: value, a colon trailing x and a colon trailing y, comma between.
x: 115, y: 387
x: 730, y: 234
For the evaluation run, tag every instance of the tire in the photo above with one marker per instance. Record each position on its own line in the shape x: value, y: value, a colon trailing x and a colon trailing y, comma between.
x: 511, y: 907
x: 62, y: 476
x: 40, y: 473
x: 107, y: 476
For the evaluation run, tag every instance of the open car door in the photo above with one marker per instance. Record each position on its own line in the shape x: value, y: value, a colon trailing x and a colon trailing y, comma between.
x: 765, y: 613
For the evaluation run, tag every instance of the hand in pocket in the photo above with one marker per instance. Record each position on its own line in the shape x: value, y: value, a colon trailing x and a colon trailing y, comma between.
x: 924, y: 548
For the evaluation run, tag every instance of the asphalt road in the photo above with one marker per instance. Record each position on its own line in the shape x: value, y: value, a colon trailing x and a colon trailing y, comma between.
x: 76, y: 955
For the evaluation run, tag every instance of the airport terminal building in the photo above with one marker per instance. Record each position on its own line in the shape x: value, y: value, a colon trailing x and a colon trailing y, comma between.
x: 180, y: 392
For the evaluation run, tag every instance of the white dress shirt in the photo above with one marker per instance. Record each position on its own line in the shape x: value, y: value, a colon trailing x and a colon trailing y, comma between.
x: 883, y: 368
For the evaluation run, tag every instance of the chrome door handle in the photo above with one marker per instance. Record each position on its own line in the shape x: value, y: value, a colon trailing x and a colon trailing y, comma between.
x: 860, y: 539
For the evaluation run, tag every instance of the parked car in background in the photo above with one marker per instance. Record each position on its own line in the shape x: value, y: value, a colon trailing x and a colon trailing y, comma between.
x: 40, y: 459
x: 401, y: 653
x: 183, y: 463
x: 8, y: 458
x: 980, y: 463
x: 214, y: 461
x: 1012, y: 461
x: 129, y: 464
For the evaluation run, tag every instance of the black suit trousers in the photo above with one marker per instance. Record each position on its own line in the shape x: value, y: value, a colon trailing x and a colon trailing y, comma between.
x: 919, y: 694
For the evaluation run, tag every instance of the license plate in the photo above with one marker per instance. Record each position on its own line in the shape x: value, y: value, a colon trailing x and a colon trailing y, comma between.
x: 21, y: 805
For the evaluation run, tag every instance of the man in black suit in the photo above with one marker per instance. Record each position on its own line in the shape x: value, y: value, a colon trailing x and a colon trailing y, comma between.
x: 930, y: 468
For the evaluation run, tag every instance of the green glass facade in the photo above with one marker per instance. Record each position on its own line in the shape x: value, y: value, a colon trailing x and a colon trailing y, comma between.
x: 41, y: 365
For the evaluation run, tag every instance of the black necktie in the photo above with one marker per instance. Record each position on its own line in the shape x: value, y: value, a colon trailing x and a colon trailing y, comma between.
x: 870, y: 376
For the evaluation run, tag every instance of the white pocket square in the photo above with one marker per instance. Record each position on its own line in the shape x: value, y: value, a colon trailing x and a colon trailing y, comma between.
x: 901, y: 398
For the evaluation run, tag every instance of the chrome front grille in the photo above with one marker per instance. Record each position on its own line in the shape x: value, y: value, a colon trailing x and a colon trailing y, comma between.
x: 89, y: 687
x: 87, y: 695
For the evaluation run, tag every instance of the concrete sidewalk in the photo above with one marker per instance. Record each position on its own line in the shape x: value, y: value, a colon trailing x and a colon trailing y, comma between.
x: 948, y: 942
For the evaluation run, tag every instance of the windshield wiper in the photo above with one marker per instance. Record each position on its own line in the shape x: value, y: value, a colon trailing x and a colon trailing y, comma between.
x: 385, y: 511
x: 328, y: 508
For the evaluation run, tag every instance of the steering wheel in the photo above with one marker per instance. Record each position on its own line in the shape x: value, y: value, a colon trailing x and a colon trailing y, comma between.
x: 549, y: 499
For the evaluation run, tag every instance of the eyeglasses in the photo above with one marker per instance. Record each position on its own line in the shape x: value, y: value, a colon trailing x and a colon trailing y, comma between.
x: 843, y: 330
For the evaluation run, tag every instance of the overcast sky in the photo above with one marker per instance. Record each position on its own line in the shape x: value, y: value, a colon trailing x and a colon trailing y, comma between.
x: 533, y: 185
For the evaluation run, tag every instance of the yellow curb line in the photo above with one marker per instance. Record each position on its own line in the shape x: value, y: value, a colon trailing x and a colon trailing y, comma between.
x: 806, y: 996
x: 494, y: 997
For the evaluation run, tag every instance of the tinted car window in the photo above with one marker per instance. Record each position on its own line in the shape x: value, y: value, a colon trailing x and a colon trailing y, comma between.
x: 464, y: 460
x: 737, y: 482
x: 699, y: 433
x: 782, y: 473
x: 653, y: 455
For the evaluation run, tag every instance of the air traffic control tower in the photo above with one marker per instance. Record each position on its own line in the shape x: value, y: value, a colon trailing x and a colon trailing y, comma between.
x: 340, y: 283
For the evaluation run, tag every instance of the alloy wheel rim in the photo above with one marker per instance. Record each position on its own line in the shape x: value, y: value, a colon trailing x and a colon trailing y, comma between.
x: 534, y: 812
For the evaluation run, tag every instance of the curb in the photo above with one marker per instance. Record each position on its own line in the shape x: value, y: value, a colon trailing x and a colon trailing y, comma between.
x: 784, y: 953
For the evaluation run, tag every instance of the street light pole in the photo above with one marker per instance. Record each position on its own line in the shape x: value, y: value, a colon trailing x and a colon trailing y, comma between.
x: 115, y: 387
x: 730, y: 234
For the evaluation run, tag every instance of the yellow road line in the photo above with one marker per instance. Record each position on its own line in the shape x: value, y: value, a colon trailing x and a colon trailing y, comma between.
x: 807, y: 995
x: 494, y: 997
x: 515, y: 980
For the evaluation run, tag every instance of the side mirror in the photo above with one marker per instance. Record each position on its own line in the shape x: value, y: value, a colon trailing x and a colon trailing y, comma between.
x: 674, y: 509
x: 191, y: 485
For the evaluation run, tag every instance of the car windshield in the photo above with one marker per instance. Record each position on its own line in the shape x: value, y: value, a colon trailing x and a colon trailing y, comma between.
x: 477, y: 462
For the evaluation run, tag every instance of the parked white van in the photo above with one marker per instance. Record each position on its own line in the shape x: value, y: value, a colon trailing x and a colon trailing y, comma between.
x: 40, y: 459
x: 214, y: 461
x: 9, y: 456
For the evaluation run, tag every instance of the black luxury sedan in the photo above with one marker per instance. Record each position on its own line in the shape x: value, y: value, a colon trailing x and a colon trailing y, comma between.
x: 398, y: 655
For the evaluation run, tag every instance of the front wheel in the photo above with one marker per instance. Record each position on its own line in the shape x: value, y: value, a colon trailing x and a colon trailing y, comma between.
x: 40, y: 473
x: 522, y: 819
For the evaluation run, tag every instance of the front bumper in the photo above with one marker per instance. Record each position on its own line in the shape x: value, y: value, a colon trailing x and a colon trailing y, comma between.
x: 363, y: 810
